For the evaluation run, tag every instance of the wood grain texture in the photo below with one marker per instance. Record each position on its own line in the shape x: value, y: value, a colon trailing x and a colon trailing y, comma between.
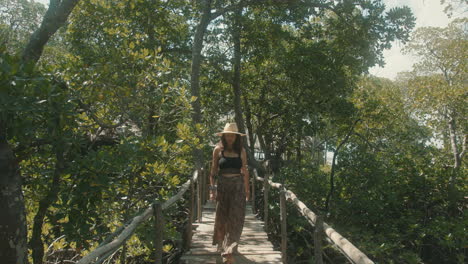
x: 254, y: 246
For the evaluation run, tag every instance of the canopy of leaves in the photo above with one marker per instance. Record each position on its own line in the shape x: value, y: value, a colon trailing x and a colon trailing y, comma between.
x: 104, y: 119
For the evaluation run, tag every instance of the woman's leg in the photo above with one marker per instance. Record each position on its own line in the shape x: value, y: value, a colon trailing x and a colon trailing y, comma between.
x: 236, y: 215
x: 221, y: 214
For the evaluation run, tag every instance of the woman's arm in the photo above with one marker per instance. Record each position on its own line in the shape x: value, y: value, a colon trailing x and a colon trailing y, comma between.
x: 214, y: 170
x: 214, y: 164
x: 245, y: 171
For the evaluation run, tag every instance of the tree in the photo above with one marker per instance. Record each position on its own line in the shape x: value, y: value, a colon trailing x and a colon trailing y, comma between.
x: 14, y: 222
x: 18, y: 20
x: 55, y: 17
x: 437, y: 89
x: 452, y: 5
x: 302, y: 61
x: 389, y: 171
x: 102, y: 127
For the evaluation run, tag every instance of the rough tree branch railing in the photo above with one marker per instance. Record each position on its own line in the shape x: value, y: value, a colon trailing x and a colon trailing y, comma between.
x: 122, y: 234
x: 347, y: 248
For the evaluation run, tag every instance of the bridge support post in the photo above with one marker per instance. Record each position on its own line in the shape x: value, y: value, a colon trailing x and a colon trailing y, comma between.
x: 254, y: 179
x: 199, y: 195
x: 284, y: 233
x: 159, y: 230
x: 266, y: 188
x: 192, y: 201
x: 204, y: 181
x: 189, y: 227
x: 318, y: 233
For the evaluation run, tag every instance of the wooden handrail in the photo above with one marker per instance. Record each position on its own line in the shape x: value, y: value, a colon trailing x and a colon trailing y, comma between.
x: 118, y: 238
x: 128, y: 230
x: 344, y: 245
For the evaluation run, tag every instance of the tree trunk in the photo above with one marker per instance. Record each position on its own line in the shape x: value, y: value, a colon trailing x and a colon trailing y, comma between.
x: 195, y: 75
x: 150, y: 129
x: 452, y: 190
x: 332, y: 172
x: 454, y: 146
x: 13, y: 244
x: 332, y: 180
x: 55, y: 17
x: 298, y: 146
x: 248, y: 120
x: 277, y: 161
x: 36, y: 239
x: 58, y: 147
x: 263, y: 145
x: 236, y: 34
x: 236, y: 31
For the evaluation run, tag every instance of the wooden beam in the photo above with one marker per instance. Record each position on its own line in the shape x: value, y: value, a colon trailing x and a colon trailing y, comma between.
x: 284, y: 234
x: 159, y: 230
x: 347, y: 248
x: 344, y: 245
x: 253, y: 190
x: 189, y: 226
x: 127, y: 231
x: 266, y: 188
x: 318, y: 233
x: 199, y: 196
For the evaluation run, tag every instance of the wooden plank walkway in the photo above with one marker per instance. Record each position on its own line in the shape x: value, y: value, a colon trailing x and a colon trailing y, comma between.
x: 254, y: 246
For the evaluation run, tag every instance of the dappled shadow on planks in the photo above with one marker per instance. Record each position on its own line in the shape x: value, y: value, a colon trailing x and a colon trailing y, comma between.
x: 254, y: 246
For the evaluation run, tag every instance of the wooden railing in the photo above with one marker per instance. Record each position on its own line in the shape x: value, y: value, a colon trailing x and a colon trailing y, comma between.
x: 115, y: 240
x: 353, y: 254
x: 198, y: 196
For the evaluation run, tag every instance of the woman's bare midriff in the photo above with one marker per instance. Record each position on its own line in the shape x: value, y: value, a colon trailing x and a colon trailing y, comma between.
x: 230, y: 174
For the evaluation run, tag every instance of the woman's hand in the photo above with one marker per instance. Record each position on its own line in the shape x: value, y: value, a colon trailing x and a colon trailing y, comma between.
x: 212, y: 192
x: 247, y: 195
x: 212, y: 195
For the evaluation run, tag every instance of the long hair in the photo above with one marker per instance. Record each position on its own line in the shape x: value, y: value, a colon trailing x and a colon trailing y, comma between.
x: 237, y: 145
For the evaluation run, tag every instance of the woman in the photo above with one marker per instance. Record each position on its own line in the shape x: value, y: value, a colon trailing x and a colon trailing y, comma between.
x: 230, y: 158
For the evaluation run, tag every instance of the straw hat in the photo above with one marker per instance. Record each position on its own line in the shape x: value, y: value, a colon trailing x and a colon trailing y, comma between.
x: 230, y: 128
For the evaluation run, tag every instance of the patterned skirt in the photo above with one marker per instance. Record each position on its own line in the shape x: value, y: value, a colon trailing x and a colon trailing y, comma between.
x: 230, y: 213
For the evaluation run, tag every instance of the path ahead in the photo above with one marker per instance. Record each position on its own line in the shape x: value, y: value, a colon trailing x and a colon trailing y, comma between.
x: 254, y: 246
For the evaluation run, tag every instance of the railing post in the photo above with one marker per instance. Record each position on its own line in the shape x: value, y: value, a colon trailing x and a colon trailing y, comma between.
x: 254, y: 179
x: 189, y: 227
x: 159, y: 229
x: 192, y: 201
x: 203, y: 174
x: 199, y: 192
x: 207, y: 182
x: 318, y: 233
x: 284, y: 233
x: 266, y: 188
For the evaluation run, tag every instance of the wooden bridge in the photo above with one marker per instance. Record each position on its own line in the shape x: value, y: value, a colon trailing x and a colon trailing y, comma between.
x: 254, y: 245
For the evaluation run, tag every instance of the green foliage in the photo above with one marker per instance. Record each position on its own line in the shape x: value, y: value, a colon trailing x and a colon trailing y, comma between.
x: 454, y: 6
x: 18, y: 20
x: 436, y: 89
x: 109, y: 110
x: 110, y: 172
x: 390, y: 198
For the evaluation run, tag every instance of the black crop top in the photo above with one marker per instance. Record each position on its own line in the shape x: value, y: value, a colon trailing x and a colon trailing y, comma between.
x: 230, y: 162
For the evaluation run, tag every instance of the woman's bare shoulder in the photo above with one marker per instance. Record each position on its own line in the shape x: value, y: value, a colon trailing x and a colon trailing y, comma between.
x: 218, y: 148
x: 243, y: 154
